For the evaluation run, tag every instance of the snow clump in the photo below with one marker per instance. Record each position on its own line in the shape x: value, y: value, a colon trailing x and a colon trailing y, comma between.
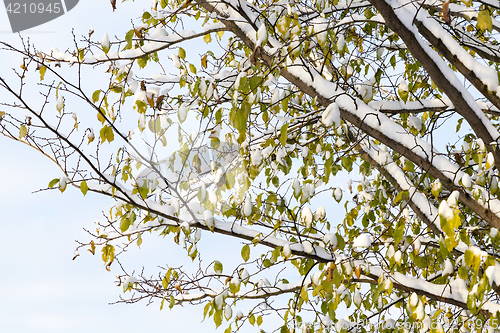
x: 209, y: 219
x: 445, y: 211
x: 448, y: 267
x: 306, y: 216
x: 331, y: 115
x: 415, y: 122
x: 363, y: 240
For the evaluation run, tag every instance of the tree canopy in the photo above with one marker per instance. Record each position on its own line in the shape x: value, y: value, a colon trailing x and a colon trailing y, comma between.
x: 248, y: 119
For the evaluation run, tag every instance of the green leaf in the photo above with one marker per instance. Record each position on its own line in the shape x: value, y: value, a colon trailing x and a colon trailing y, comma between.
x: 95, y: 96
x: 124, y: 224
x: 393, y: 61
x: 106, y: 133
x: 398, y: 233
x: 143, y: 191
x: 142, y: 61
x: 171, y: 303
x: 167, y: 275
x: 340, y: 242
x: 146, y: 16
x: 409, y: 166
x: 83, y: 187
x: 117, y: 89
x: 336, y: 278
x: 459, y: 124
x: 218, y: 318
x: 276, y: 181
x: 472, y: 260
x: 128, y: 38
x: 255, y: 82
x: 346, y: 163
x: 23, y: 131
x: 206, y: 309
x: 218, y: 267
x: 471, y: 303
x: 100, y: 116
x: 164, y: 283
x: 245, y: 252
x: 53, y: 182
x: 404, y: 96
x: 182, y: 81
x: 240, y: 117
x: 484, y: 21
x: 327, y: 286
x: 283, y: 134
x: 182, y: 53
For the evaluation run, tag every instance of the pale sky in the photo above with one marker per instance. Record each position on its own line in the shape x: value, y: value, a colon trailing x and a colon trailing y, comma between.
x: 42, y: 289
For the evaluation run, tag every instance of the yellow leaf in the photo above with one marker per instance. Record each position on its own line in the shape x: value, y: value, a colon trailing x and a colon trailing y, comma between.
x: 1, y: 114
x: 182, y: 53
x: 207, y: 38
x: 303, y: 294
x: 100, y: 116
x: 358, y: 271
x: 43, y: 69
x: 23, y: 131
x: 484, y: 21
x: 95, y: 96
x: 83, y: 187
x: 92, y: 247
x: 110, y: 135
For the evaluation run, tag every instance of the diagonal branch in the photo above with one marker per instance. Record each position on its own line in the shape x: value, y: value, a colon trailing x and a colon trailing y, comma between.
x: 399, y: 19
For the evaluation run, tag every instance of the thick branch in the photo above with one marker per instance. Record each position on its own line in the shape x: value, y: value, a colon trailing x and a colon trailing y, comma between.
x: 427, y: 59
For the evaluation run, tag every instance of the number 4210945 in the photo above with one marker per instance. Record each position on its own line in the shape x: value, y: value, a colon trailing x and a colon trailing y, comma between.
x: 32, y: 8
